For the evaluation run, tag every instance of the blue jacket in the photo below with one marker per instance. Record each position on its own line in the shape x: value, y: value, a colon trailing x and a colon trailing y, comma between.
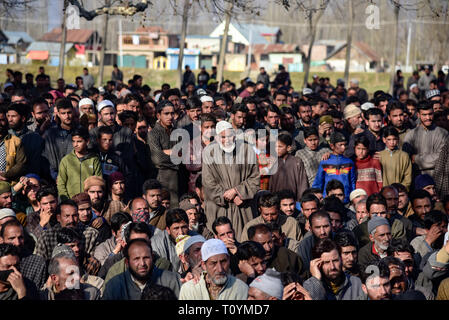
x: 339, y: 168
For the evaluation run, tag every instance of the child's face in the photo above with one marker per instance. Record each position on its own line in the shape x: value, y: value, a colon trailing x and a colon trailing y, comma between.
x: 312, y: 142
x: 281, y: 149
x: 391, y: 142
x: 411, y: 109
x: 262, y: 143
x: 339, y: 148
x: 79, y: 144
x: 361, y: 152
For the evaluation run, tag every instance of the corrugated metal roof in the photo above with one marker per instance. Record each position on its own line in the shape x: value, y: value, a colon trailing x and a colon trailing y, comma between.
x: 367, y: 50
x: 73, y: 36
x: 51, y: 47
x: 16, y: 36
x: 258, y: 30
x: 274, y: 48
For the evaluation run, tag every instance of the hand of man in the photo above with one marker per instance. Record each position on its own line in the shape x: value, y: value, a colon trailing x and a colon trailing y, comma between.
x: 294, y: 291
x: 247, y: 269
x: 43, y: 127
x: 326, y: 156
x: 230, y: 244
x: 16, y: 281
x: 238, y: 201
x: 167, y: 152
x: 119, y: 246
x: 188, y: 277
x: 229, y: 194
x: 45, y: 218
x: 97, y: 223
x: 315, y: 265
x: 358, y: 130
x: 433, y: 234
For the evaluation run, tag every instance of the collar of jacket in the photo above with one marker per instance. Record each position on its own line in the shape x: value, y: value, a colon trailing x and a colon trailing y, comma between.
x: 367, y: 159
x: 19, y: 133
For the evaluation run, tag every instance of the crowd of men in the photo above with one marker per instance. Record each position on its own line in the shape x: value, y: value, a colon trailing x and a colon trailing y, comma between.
x: 266, y: 193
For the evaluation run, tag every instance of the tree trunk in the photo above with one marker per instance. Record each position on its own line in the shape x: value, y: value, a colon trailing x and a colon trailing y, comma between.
x: 63, y: 41
x: 103, y: 46
x: 313, y: 23
x: 442, y: 37
x: 312, y: 31
x: 224, y: 42
x: 395, y: 46
x: 185, y: 15
x: 349, y: 40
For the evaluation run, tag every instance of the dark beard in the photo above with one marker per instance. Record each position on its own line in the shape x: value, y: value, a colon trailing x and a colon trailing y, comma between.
x: 17, y: 126
x: 140, y: 278
x: 70, y: 294
x: 99, y: 205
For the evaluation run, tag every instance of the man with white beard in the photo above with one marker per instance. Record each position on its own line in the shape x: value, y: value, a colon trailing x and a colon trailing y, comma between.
x: 380, y: 239
x: 230, y: 178
x: 216, y: 283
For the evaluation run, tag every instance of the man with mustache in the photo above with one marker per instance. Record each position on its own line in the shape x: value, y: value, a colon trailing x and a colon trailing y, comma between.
x: 141, y: 272
x: 67, y: 216
x: 215, y: 283
x: 380, y: 239
x: 328, y: 281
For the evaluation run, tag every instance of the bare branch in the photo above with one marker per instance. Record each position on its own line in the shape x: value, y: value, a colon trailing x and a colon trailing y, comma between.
x: 124, y: 10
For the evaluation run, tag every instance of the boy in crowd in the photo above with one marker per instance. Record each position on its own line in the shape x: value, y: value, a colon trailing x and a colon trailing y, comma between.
x: 337, y: 167
x: 369, y: 171
x: 77, y: 166
x: 396, y: 164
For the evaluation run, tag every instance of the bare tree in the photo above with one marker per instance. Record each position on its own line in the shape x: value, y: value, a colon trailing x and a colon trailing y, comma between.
x: 439, y: 11
x: 224, y: 42
x: 9, y: 8
x: 185, y: 18
x: 231, y: 9
x: 312, y: 10
x: 123, y: 7
x: 351, y: 10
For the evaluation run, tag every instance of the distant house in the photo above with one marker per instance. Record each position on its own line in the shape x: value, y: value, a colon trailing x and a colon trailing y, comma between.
x: 209, y: 48
x: 87, y: 44
x: 16, y: 45
x: 45, y: 52
x: 270, y: 56
x: 146, y: 47
x: 191, y: 57
x: 242, y: 35
x: 363, y: 58
x: 6, y: 52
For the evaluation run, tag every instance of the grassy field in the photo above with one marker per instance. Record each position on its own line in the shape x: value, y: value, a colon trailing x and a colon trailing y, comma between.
x: 154, y: 78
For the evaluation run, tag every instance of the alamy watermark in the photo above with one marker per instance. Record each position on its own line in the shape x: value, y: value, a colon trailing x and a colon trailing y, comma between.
x: 73, y: 18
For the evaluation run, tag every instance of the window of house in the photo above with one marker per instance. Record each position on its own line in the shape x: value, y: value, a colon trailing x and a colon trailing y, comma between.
x: 144, y: 40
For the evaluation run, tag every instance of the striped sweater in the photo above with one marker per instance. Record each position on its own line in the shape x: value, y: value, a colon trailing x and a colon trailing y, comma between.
x: 369, y: 175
